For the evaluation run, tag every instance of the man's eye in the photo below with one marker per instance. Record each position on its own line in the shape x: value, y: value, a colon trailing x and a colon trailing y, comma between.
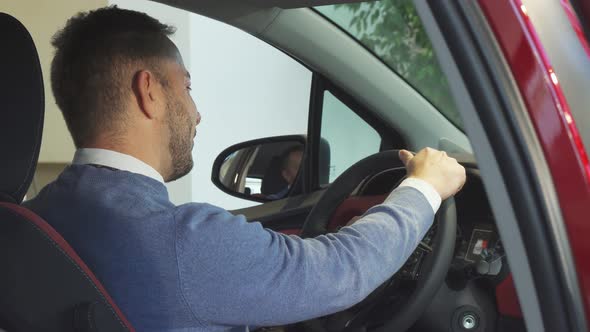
x: 189, y: 88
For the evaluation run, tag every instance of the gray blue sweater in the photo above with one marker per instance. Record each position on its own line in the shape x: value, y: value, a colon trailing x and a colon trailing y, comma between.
x: 197, y: 267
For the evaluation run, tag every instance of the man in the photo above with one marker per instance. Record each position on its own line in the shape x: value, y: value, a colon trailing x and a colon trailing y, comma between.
x: 289, y: 162
x: 125, y: 95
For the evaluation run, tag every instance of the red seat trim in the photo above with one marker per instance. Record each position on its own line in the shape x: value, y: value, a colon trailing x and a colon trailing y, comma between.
x: 352, y: 207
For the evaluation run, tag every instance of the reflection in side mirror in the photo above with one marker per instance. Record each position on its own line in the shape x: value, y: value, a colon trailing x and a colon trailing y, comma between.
x: 263, y: 169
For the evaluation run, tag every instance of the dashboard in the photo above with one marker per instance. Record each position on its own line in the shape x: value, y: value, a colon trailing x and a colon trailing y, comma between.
x: 478, y: 281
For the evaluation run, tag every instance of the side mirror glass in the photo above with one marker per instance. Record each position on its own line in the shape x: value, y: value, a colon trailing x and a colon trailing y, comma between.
x: 260, y: 170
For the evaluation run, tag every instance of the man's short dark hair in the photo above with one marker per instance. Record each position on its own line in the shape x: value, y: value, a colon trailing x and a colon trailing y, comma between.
x: 94, y: 54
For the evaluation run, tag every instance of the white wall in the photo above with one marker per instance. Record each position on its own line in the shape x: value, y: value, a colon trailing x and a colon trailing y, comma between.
x: 243, y: 88
x: 43, y: 18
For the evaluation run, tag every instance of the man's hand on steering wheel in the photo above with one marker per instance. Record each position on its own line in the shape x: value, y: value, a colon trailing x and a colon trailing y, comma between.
x: 442, y: 172
x: 435, y: 167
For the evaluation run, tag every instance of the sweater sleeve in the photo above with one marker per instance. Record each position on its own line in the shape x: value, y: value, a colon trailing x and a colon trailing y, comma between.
x: 233, y: 272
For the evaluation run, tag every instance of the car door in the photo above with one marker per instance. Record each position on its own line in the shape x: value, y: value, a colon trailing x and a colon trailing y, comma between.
x: 515, y: 80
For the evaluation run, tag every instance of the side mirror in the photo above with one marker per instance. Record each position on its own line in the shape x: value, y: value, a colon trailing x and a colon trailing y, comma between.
x: 260, y: 170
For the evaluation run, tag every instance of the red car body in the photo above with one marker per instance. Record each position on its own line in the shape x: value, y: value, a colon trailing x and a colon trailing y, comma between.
x: 554, y: 124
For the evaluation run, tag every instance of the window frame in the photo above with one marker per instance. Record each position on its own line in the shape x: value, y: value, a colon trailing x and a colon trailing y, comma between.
x: 390, y: 138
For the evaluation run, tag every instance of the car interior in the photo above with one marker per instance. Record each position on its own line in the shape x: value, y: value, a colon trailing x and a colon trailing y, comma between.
x: 458, y: 279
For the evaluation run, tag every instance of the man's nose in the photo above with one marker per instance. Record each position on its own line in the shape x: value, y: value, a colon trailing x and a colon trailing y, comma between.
x: 198, y: 118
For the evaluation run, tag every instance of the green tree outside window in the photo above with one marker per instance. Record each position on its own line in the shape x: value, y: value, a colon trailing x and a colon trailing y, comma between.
x: 392, y: 30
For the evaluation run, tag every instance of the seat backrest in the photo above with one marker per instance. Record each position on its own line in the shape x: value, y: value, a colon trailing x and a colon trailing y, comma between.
x: 44, y: 285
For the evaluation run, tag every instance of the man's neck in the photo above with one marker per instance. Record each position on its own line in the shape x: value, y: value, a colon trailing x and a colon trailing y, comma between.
x: 117, y: 160
x: 144, y: 152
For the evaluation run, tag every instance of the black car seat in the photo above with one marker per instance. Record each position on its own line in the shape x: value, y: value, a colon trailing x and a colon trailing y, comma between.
x: 44, y: 285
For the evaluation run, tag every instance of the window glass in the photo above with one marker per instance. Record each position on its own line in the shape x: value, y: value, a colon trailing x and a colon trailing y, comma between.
x: 347, y: 135
x: 392, y: 30
x: 254, y: 184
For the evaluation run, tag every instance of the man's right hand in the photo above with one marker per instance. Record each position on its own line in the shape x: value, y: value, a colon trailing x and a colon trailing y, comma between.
x: 435, y: 167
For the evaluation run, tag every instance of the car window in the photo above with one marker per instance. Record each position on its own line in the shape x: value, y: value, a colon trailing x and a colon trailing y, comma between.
x: 347, y: 135
x: 392, y: 30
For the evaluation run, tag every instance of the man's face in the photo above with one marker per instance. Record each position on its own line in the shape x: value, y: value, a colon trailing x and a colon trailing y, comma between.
x: 293, y: 164
x: 182, y: 119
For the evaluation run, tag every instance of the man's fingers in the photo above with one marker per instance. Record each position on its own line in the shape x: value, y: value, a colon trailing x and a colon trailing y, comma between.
x: 405, y: 156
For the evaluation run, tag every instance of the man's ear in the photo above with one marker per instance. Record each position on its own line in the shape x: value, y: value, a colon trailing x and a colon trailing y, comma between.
x: 147, y: 92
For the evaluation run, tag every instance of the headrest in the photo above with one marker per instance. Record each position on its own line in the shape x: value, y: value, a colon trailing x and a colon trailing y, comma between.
x: 22, y: 107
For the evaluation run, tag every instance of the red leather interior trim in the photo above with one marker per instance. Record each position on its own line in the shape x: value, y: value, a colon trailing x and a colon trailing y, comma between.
x: 291, y: 231
x: 352, y: 207
x: 52, y: 233
x: 506, y: 298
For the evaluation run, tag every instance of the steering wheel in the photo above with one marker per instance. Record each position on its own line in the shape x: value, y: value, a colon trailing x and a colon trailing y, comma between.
x: 433, y: 269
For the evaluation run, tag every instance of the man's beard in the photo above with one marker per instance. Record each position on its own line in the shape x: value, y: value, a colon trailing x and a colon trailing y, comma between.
x: 181, y: 140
